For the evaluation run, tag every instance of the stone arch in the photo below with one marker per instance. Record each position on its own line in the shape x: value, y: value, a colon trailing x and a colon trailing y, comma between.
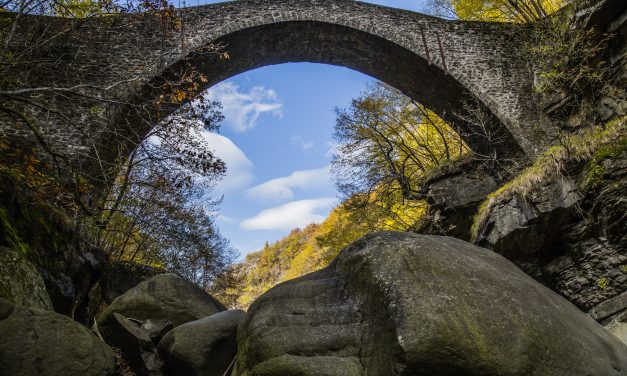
x: 328, y: 43
x: 442, y: 64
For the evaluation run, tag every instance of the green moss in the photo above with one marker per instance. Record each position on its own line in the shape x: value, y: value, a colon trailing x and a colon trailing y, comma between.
x: 603, y: 283
x: 597, y: 143
x: 9, y: 236
x: 20, y: 282
x: 596, y: 171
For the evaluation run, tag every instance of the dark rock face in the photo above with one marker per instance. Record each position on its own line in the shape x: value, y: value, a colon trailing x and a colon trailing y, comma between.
x: 163, y: 297
x: 135, y: 342
x: 524, y: 225
x: 68, y: 265
x: 454, y: 199
x: 120, y: 276
x: 406, y: 304
x: 40, y: 342
x: 204, y: 347
x: 20, y: 282
x: 569, y: 234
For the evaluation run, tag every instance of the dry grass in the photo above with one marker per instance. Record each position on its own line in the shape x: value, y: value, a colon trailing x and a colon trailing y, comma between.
x: 576, y: 148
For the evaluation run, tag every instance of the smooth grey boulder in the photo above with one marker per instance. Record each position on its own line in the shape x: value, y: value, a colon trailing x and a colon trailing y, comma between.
x: 40, y: 342
x: 407, y: 304
x: 162, y: 297
x: 204, y: 347
x: 20, y: 282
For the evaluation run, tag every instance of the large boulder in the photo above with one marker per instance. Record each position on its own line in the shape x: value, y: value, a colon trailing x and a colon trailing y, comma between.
x: 163, y: 297
x: 407, y: 304
x: 20, y: 282
x: 40, y: 342
x: 204, y: 347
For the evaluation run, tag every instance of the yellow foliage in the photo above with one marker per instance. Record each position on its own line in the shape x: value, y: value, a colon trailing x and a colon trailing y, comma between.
x: 310, y: 249
x: 77, y: 8
x: 505, y: 10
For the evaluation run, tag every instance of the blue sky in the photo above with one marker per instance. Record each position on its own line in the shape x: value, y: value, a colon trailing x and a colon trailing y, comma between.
x: 276, y: 140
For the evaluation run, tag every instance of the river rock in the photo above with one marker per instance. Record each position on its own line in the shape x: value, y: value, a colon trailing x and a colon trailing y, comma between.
x: 162, y: 297
x: 44, y: 343
x: 407, y: 304
x: 204, y: 347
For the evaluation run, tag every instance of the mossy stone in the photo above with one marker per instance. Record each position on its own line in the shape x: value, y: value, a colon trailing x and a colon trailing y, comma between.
x: 44, y: 343
x: 20, y: 282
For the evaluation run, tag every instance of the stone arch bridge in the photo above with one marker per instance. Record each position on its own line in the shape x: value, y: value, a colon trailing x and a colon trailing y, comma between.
x: 445, y: 65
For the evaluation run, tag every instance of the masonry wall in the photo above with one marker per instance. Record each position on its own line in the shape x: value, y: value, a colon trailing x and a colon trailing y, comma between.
x: 112, y: 61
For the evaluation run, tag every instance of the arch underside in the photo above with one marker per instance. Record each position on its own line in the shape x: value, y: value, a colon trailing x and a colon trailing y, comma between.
x: 319, y: 42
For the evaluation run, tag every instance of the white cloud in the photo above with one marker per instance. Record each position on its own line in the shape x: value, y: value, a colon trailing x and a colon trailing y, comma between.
x: 291, y: 215
x: 300, y: 142
x: 238, y: 166
x: 241, y: 110
x: 283, y: 188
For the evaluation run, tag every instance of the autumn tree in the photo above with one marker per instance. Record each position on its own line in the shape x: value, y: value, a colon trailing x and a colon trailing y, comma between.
x: 160, y: 211
x: 387, y: 143
x: 519, y: 11
x: 153, y: 203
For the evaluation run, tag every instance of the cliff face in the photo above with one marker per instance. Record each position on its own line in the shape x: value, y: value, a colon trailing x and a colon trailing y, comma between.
x: 59, y: 266
x: 569, y: 232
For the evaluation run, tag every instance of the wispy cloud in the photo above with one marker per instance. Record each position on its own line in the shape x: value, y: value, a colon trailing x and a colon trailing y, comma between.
x: 238, y: 166
x: 224, y: 219
x: 302, y: 143
x: 283, y: 188
x: 242, y: 109
x: 291, y: 215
